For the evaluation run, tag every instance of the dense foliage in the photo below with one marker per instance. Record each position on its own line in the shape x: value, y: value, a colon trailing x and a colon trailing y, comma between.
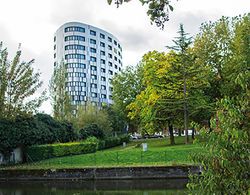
x: 88, y: 115
x: 91, y: 130
x: 110, y: 142
x: 40, y: 129
x: 89, y: 145
x: 61, y: 101
x: 225, y: 46
x: 158, y: 10
x: 18, y: 83
x: 41, y: 152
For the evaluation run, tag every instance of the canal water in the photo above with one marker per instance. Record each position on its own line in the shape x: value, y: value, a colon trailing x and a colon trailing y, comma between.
x: 100, y: 187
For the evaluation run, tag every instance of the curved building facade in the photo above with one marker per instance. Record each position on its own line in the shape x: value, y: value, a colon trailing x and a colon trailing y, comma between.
x: 92, y: 57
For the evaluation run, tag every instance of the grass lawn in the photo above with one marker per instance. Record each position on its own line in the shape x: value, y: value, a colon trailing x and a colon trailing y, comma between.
x: 159, y: 153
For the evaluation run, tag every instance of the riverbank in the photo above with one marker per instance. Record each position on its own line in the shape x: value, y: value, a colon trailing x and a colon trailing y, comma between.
x: 147, y: 172
x: 159, y: 153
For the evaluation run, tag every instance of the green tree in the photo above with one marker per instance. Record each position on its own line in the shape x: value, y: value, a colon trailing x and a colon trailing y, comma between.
x: 89, y: 114
x: 18, y: 83
x: 61, y: 103
x: 181, y: 46
x: 187, y: 76
x: 116, y: 118
x: 158, y: 10
x: 161, y: 102
x: 226, y: 162
x: 126, y: 85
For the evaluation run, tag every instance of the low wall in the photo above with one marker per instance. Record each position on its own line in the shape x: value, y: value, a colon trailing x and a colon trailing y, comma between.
x: 174, y: 172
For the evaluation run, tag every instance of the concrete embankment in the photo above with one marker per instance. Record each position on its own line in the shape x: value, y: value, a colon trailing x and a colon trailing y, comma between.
x: 161, y: 172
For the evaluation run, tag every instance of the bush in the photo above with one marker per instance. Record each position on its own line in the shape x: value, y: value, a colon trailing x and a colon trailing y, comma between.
x: 91, y: 130
x: 39, y: 129
x: 112, y: 142
x: 41, y: 152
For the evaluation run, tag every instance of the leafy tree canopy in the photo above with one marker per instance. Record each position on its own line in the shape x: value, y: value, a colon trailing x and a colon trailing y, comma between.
x: 18, y: 84
x: 158, y: 10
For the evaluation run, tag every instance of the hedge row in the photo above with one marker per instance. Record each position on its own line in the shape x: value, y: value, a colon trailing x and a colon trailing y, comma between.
x: 112, y: 142
x: 41, y: 152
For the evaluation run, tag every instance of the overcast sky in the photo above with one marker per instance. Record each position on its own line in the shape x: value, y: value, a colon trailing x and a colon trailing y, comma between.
x: 34, y: 22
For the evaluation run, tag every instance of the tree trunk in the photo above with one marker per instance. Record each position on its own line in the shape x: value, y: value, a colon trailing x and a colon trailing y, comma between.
x: 171, y: 134
x: 185, y: 111
x: 179, y: 132
x: 193, y: 131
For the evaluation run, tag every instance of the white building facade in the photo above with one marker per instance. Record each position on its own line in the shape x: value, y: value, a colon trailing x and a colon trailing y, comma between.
x: 92, y: 57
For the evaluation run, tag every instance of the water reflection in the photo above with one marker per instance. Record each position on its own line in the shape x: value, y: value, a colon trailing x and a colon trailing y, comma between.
x: 102, y: 187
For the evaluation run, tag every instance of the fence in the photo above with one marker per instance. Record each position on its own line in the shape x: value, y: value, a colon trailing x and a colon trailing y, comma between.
x: 112, y: 158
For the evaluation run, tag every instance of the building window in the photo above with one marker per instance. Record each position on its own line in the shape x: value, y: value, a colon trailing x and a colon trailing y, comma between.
x: 111, y: 89
x: 115, y: 66
x: 92, y: 41
x: 75, y: 56
x: 103, y: 78
x: 93, y: 50
x: 110, y: 97
x: 73, y: 47
x: 103, y: 61
x: 110, y: 47
x: 93, y: 68
x: 54, y: 38
x: 115, y: 42
x: 93, y: 85
x: 94, y: 95
x: 102, y: 44
x: 103, y: 87
x: 110, y: 64
x: 115, y: 58
x: 110, y: 72
x: 102, y: 53
x: 102, y: 36
x: 93, y: 32
x: 119, y: 69
x: 54, y: 47
x: 74, y: 28
x: 74, y: 38
x: 92, y: 59
x: 110, y: 39
x: 94, y: 77
x: 103, y: 96
x: 110, y: 55
x: 103, y: 70
x: 76, y: 75
x: 75, y: 65
x: 54, y: 55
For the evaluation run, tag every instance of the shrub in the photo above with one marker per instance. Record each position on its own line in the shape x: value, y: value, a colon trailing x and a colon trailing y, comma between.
x: 112, y: 142
x: 41, y: 152
x: 91, y: 130
x: 39, y: 129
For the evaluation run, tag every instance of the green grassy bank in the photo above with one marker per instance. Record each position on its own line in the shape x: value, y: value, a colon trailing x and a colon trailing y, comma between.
x: 159, y: 153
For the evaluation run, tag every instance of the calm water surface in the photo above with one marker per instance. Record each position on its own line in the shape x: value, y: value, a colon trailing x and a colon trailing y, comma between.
x: 104, y: 187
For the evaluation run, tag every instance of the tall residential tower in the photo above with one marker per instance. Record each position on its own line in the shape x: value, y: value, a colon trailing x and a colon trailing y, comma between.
x: 92, y: 57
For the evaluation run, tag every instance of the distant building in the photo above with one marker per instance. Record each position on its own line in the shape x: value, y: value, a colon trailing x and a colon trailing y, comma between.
x: 92, y: 57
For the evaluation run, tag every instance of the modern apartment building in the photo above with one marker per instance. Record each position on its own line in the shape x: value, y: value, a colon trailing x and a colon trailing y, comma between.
x: 92, y: 57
